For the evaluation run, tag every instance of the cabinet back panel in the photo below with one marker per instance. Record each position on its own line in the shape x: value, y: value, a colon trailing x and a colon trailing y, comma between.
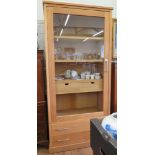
x: 60, y: 68
x: 76, y: 101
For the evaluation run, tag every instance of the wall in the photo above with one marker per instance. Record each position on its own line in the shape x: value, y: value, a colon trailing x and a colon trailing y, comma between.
x: 40, y: 17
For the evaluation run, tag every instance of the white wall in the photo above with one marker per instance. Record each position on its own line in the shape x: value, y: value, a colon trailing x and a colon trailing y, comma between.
x: 40, y: 16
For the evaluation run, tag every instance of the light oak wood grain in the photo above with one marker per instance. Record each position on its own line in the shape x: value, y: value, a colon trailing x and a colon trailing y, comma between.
x: 68, y: 127
x: 71, y: 138
x: 78, y: 86
x: 107, y: 64
x: 83, y: 151
x: 79, y: 11
x: 86, y: 116
x: 76, y: 101
x: 70, y: 141
x: 69, y: 147
x: 74, y: 5
x: 114, y: 50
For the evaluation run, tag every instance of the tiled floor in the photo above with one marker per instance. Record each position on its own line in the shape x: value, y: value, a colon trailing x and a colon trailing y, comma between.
x: 84, y: 151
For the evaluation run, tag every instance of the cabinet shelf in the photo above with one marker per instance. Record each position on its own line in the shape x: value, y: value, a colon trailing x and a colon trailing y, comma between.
x: 77, y: 111
x: 94, y: 60
x: 78, y: 37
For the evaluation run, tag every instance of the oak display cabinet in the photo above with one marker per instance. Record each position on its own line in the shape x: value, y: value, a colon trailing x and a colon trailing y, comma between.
x: 78, y: 65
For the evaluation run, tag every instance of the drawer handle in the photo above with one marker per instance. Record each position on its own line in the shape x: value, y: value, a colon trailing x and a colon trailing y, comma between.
x: 63, y: 140
x: 66, y: 84
x: 62, y: 129
x: 92, y: 82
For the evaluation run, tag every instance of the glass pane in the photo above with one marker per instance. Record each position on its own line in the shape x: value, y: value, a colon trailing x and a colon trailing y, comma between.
x: 79, y: 53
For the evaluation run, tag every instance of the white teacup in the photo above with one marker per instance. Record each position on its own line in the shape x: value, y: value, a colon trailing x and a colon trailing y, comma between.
x: 87, y: 77
x: 83, y: 76
x: 92, y: 76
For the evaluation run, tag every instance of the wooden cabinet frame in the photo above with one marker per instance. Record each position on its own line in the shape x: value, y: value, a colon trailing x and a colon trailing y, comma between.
x: 114, y: 38
x: 67, y: 8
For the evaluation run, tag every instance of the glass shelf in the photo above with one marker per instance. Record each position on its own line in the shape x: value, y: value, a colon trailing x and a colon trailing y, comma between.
x: 78, y: 37
x: 93, y: 61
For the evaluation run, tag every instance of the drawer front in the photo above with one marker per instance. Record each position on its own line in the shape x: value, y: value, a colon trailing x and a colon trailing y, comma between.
x: 78, y: 86
x: 68, y: 139
x: 70, y: 127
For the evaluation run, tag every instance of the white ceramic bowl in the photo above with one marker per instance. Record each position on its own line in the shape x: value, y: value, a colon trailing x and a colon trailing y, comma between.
x: 97, y: 77
x: 97, y: 74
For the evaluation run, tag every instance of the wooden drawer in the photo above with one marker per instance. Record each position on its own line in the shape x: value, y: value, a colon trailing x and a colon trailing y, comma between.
x: 72, y: 138
x: 78, y: 86
x: 70, y: 127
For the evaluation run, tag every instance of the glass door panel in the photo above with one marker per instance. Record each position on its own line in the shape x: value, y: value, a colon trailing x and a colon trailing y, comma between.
x: 79, y: 54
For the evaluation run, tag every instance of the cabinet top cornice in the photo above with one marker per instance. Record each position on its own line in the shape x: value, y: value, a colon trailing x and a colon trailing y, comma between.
x: 73, y: 5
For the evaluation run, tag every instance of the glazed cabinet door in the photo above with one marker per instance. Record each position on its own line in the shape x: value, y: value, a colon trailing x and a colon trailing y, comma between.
x: 78, y: 61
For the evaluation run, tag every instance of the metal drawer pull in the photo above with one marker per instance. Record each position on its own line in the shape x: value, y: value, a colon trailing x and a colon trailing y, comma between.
x: 62, y: 129
x: 63, y: 140
x: 66, y: 84
x: 92, y: 82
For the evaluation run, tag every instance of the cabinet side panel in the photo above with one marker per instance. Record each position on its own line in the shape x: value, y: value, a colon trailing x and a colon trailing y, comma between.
x: 107, y: 64
x: 110, y: 57
x: 50, y: 66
